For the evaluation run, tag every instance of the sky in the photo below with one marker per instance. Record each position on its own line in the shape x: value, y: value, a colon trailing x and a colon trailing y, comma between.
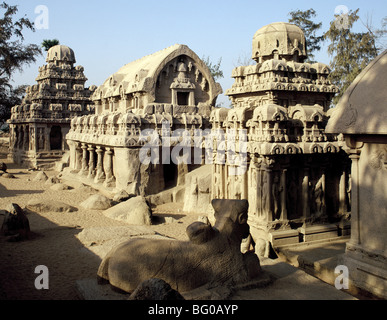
x: 105, y: 35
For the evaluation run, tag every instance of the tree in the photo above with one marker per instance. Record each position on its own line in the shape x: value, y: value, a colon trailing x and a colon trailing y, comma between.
x: 303, y: 20
x: 351, y: 51
x: 379, y: 34
x: 14, y: 54
x: 47, y: 44
x: 214, y: 68
x: 10, y: 97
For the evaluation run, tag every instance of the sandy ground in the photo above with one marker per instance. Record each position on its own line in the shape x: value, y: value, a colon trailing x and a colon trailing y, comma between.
x: 55, y: 241
x: 72, y: 244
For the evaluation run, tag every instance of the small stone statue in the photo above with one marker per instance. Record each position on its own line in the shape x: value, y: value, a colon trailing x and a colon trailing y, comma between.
x: 15, y: 224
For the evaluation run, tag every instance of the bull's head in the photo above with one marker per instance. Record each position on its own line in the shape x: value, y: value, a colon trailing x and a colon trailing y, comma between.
x: 231, y: 218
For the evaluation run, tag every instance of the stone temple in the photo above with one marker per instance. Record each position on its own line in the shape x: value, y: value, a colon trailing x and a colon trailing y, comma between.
x: 295, y: 175
x: 164, y: 92
x: 39, y: 125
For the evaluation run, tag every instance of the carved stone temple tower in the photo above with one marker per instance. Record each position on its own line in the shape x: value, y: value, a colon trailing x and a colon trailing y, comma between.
x: 295, y: 177
x: 38, y: 126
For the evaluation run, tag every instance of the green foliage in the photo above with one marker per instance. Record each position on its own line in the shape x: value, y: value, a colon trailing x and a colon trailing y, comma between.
x: 215, y: 70
x: 350, y: 52
x: 14, y: 55
x: 303, y: 20
x: 47, y: 44
x: 10, y: 97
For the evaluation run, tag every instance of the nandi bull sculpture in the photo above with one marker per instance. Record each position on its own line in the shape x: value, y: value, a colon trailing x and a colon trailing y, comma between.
x: 211, y: 257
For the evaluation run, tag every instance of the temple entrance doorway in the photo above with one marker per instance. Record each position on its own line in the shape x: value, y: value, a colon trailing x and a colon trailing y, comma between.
x: 56, y: 138
x: 170, y: 175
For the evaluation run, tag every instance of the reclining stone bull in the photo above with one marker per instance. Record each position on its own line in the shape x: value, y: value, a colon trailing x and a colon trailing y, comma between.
x: 211, y: 257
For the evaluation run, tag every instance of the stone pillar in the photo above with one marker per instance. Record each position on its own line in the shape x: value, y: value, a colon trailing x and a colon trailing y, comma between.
x: 343, y: 193
x: 355, y: 227
x: 305, y: 195
x: 259, y: 192
x: 324, y: 206
x: 182, y: 170
x: 191, y: 98
x: 267, y: 195
x: 215, y: 183
x: 284, y: 211
x: 91, y: 173
x: 22, y: 139
x: 36, y: 142
x: 84, y: 168
x: 19, y: 139
x: 47, y: 146
x: 100, y: 175
x: 33, y: 139
x: 41, y: 137
x: 12, y: 138
x: 174, y: 97
x: 228, y: 182
x: 26, y: 144
x: 252, y: 194
x: 78, y: 156
x: 108, y: 166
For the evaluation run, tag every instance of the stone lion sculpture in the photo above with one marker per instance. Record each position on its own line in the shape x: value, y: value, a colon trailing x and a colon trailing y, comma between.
x: 211, y: 257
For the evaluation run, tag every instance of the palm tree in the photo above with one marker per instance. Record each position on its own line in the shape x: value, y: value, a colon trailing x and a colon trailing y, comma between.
x: 47, y: 44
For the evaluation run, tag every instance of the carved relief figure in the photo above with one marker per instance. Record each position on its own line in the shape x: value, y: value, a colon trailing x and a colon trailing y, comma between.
x: 265, y: 194
x: 218, y: 182
x: 349, y: 190
x: 32, y: 139
x: 41, y: 140
x: 318, y: 196
x: 194, y: 186
x: 238, y: 187
x: 276, y: 192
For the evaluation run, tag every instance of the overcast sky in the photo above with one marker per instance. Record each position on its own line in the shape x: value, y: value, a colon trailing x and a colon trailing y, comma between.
x: 105, y: 35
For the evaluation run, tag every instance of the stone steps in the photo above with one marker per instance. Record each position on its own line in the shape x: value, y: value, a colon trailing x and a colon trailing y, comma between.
x: 48, y: 161
x: 309, y: 234
x: 318, y: 258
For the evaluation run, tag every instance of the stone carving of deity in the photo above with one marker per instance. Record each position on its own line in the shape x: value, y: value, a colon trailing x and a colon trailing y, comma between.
x: 318, y: 196
x: 276, y: 192
x: 41, y: 141
x: 265, y: 194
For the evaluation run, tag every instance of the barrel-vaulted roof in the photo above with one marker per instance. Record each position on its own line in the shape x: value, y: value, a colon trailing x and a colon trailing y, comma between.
x: 141, y: 75
x: 363, y: 107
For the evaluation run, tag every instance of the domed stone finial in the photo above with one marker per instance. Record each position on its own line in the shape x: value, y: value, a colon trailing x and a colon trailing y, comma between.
x: 60, y: 53
x: 279, y: 40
